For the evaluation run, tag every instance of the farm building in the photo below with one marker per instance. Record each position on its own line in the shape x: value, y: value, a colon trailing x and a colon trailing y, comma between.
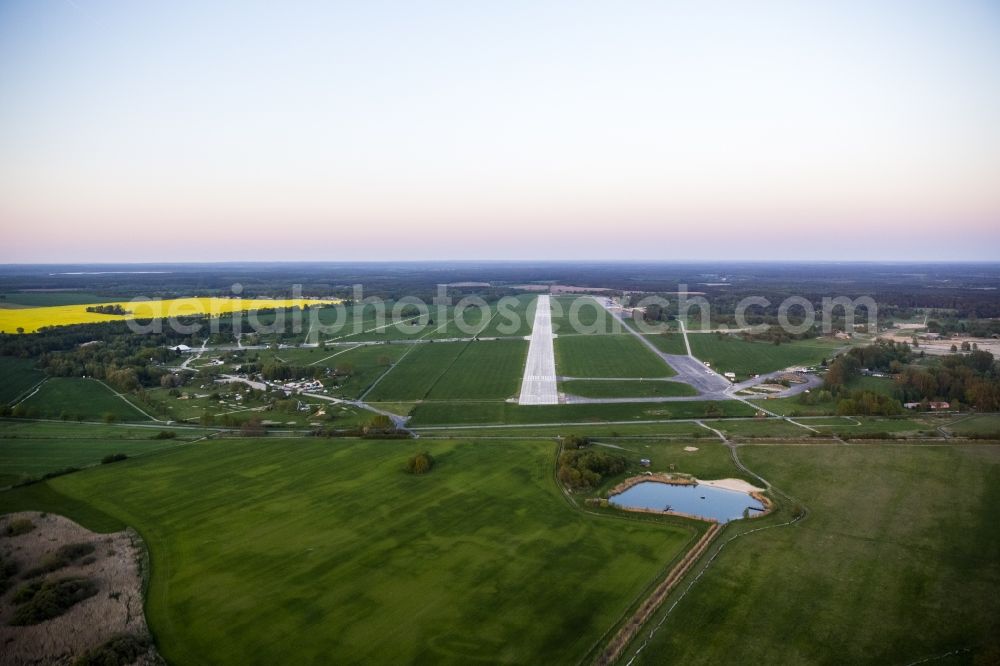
x: 931, y: 405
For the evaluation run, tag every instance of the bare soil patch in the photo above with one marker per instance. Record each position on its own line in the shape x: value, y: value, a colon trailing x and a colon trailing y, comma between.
x: 116, y: 566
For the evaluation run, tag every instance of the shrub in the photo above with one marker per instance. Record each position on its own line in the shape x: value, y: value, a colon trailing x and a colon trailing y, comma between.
x: 117, y: 651
x: 165, y: 434
x: 42, y: 601
x: 380, y: 423
x: 420, y: 463
x: 18, y: 526
x: 113, y: 458
x: 8, y: 569
x: 253, y: 427
x: 59, y: 472
x: 576, y: 442
x: 63, y: 557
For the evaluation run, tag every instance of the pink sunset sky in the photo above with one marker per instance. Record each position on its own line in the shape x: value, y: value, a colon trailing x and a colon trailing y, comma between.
x: 176, y: 131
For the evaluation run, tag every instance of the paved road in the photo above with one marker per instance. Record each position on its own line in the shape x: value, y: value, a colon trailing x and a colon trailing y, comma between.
x: 539, y: 386
x: 709, y: 384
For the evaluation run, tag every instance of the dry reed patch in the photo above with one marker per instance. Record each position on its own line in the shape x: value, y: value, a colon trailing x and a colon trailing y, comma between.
x: 115, y: 565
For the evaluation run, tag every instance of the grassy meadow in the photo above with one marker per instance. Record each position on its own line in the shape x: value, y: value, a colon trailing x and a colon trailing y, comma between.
x: 79, y: 398
x: 291, y: 551
x: 607, y: 356
x: 19, y: 376
x: 468, y: 413
x: 897, y: 561
x: 483, y: 371
x: 729, y: 353
x: 669, y: 343
x: 597, y: 388
x: 416, y: 372
x: 32, y: 458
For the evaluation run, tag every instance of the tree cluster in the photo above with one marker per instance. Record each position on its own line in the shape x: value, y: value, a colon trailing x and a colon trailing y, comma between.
x: 115, y: 309
x: 583, y: 469
x: 972, y: 379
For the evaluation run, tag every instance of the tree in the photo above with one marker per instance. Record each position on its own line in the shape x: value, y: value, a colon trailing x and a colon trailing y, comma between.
x: 420, y: 463
x: 842, y: 371
x: 253, y: 427
x: 170, y: 381
x: 380, y: 423
x: 576, y: 442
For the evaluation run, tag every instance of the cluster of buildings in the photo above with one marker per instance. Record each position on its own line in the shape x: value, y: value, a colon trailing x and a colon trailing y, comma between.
x: 302, y: 385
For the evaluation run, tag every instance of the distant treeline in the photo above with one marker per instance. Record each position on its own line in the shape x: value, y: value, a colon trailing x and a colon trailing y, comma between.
x: 966, y: 290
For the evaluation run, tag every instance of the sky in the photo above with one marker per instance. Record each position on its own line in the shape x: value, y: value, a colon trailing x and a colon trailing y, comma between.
x: 190, y: 131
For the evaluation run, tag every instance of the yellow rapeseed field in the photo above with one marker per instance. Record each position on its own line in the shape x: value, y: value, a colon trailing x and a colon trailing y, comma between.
x: 32, y: 319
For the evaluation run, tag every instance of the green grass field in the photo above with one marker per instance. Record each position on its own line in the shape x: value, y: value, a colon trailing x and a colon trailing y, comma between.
x: 882, y: 385
x: 75, y: 398
x: 729, y: 353
x: 467, y: 413
x: 514, y: 317
x: 596, y: 388
x: 760, y: 428
x: 898, y: 561
x: 19, y: 376
x: 590, y: 356
x: 416, y: 372
x: 865, y: 425
x: 367, y: 364
x: 794, y: 407
x: 29, y: 449
x: 669, y: 343
x: 982, y: 424
x: 291, y: 551
x: 483, y: 371
x: 582, y: 314
x: 22, y: 459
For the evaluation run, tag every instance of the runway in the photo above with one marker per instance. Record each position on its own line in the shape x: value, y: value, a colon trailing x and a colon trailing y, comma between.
x: 539, y: 386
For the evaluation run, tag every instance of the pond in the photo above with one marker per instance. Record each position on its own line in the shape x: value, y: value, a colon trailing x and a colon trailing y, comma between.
x: 720, y: 504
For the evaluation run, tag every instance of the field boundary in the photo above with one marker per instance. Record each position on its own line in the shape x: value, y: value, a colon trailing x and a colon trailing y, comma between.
x: 27, y: 393
x: 652, y: 603
x: 129, y: 402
